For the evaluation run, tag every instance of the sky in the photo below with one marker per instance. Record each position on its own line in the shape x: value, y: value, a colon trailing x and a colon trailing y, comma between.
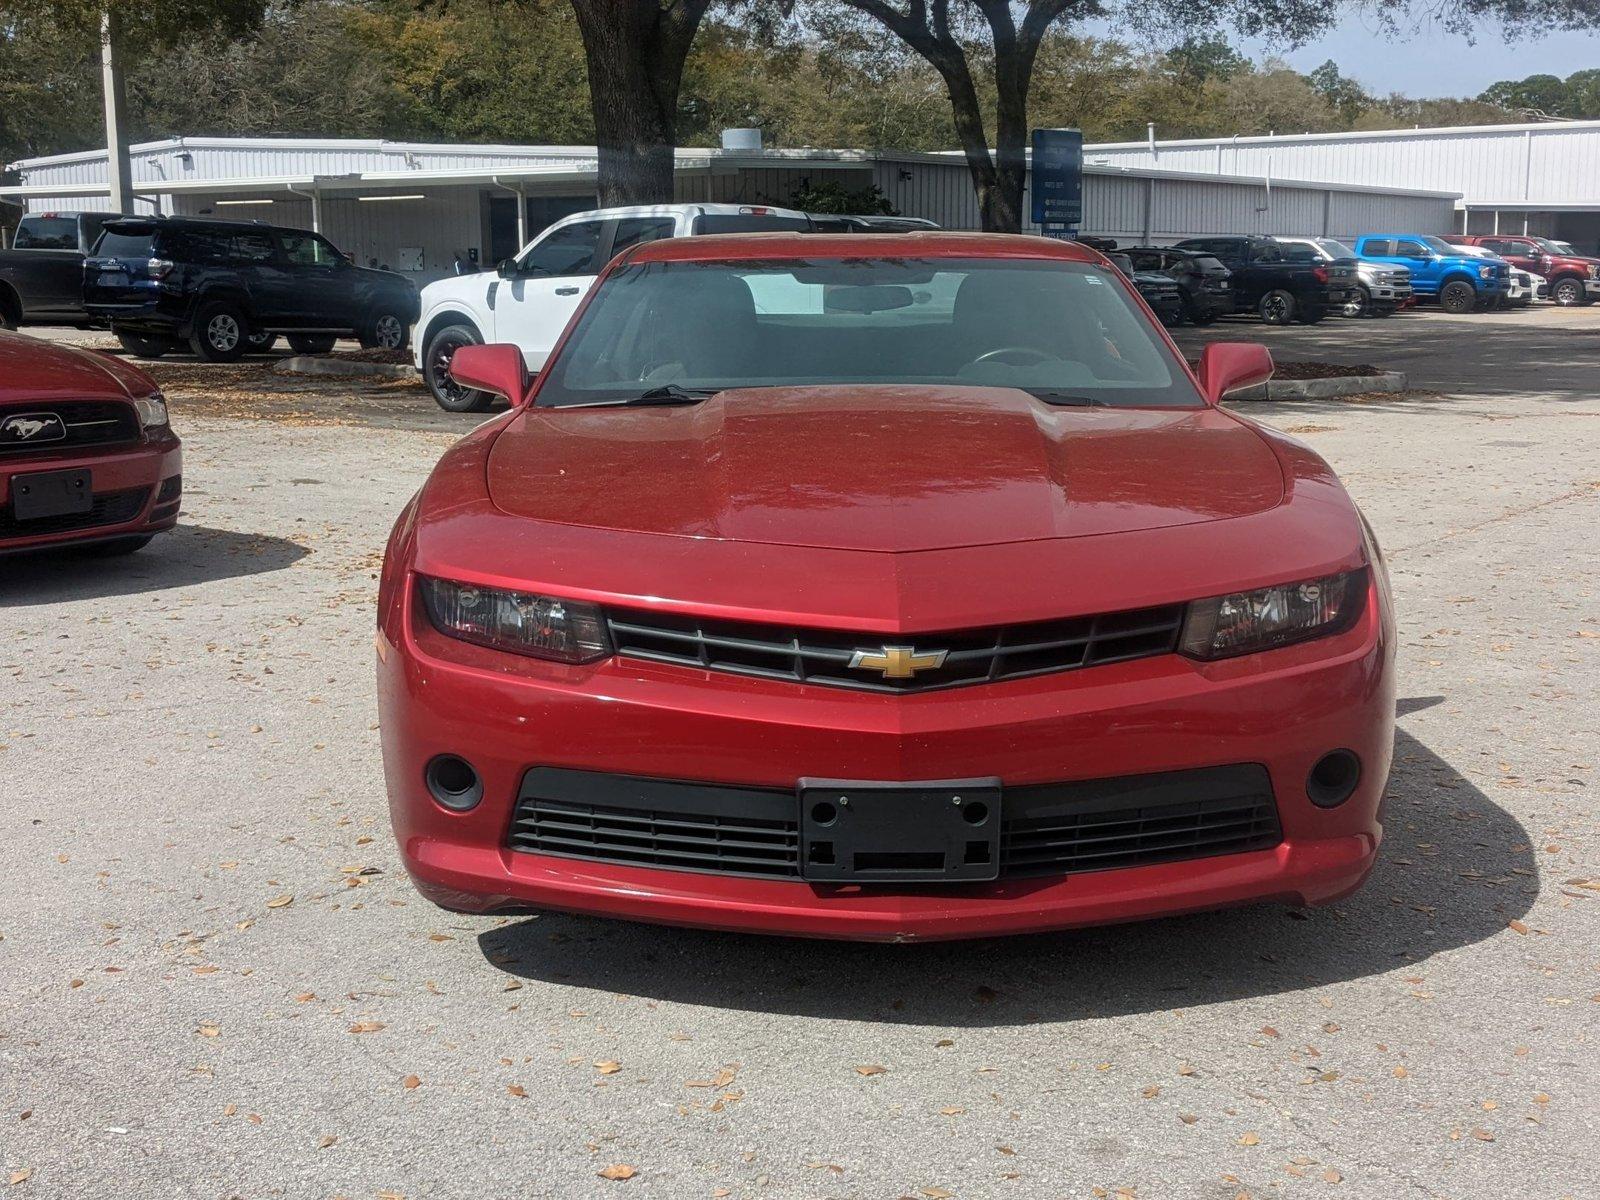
x: 1428, y: 62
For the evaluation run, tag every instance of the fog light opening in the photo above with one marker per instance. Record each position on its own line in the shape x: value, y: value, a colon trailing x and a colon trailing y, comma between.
x: 1333, y: 780
x: 824, y: 813
x: 453, y: 783
x: 975, y: 812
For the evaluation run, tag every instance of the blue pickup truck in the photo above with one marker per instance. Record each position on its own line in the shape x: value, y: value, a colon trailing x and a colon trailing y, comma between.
x: 1440, y: 270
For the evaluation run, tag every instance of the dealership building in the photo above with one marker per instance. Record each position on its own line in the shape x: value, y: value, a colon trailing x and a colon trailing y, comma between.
x: 417, y: 207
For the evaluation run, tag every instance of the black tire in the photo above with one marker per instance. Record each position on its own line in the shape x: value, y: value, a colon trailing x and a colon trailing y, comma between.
x: 116, y: 547
x: 1277, y: 307
x: 1360, y: 305
x: 1382, y: 310
x: 261, y: 343
x: 1196, y: 315
x: 311, y: 343
x: 146, y: 345
x: 449, y: 394
x: 221, y: 333
x: 1458, y: 296
x: 385, y: 329
x: 10, y: 310
x: 1310, y: 314
x: 1568, y: 292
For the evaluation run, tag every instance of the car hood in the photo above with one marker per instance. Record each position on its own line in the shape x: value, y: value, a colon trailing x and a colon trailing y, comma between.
x: 34, y: 369
x: 889, y: 468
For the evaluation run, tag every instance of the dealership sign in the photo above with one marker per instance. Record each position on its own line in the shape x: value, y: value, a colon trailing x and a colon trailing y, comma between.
x: 1057, y: 177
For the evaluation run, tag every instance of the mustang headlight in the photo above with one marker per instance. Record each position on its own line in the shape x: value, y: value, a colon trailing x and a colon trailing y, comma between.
x: 521, y: 622
x: 152, y: 410
x: 1246, y: 622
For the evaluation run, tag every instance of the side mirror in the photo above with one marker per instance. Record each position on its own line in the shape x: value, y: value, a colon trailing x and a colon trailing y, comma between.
x: 497, y: 368
x: 506, y: 268
x: 1228, y: 366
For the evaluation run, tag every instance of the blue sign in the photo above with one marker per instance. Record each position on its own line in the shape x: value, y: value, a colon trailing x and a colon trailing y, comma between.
x: 1057, y: 177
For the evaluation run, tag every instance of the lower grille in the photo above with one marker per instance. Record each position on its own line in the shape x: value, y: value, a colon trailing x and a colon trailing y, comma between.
x: 110, y: 508
x: 824, y: 656
x: 1049, y: 829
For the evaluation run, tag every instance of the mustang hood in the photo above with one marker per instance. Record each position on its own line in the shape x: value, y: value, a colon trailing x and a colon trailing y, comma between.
x: 894, y: 468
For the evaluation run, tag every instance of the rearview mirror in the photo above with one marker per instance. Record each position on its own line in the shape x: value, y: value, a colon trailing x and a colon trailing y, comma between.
x: 1229, y: 366
x: 866, y: 298
x: 498, y: 369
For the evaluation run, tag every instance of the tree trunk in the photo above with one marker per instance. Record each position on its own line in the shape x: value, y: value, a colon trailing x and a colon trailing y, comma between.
x: 635, y: 51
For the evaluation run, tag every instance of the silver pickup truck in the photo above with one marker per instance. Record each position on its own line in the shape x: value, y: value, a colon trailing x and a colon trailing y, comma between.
x: 1384, y: 287
x: 41, y: 276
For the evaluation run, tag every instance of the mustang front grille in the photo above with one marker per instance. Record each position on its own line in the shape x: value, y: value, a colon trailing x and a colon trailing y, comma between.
x: 109, y: 508
x: 82, y: 423
x: 1047, y: 829
x: 825, y: 657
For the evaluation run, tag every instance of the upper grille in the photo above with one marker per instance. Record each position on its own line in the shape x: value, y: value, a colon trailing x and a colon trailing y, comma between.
x: 1048, y: 829
x: 88, y: 423
x: 109, y: 508
x: 823, y: 656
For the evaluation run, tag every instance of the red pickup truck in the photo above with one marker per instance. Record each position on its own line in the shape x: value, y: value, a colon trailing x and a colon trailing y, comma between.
x: 1574, y: 278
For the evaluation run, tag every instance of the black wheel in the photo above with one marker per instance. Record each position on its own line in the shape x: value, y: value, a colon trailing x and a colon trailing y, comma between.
x: 1359, y: 304
x: 1197, y: 315
x: 1171, y: 317
x: 1382, y: 310
x: 1277, y: 307
x: 221, y: 333
x: 442, y: 347
x: 116, y: 547
x: 1310, y: 314
x: 311, y: 343
x: 146, y: 345
x: 1457, y: 296
x: 260, y: 343
x: 10, y: 310
x: 385, y: 330
x: 1568, y: 293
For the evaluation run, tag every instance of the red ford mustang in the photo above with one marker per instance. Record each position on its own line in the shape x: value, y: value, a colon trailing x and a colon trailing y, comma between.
x: 86, y: 453
x: 891, y: 588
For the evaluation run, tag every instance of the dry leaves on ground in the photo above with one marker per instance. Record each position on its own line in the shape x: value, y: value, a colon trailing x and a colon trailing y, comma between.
x: 617, y: 1171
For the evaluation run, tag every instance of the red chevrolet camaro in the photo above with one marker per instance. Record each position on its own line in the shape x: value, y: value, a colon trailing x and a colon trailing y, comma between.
x: 890, y: 587
x: 86, y: 454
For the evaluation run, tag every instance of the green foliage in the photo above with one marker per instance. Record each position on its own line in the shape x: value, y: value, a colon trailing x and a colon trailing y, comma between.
x: 1576, y: 96
x: 831, y: 197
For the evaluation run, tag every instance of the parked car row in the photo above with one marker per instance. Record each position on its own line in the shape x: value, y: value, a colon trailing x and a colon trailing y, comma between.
x: 223, y: 288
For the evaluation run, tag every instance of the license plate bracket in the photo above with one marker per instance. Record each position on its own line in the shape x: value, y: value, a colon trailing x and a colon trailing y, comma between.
x: 51, y: 494
x: 941, y: 831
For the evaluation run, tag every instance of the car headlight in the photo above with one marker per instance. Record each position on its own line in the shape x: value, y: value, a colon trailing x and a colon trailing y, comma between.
x: 1594, y: 271
x: 1485, y: 272
x: 152, y: 410
x: 1245, y: 622
x: 523, y: 623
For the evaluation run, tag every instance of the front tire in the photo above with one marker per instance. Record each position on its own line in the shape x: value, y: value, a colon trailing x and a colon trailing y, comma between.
x: 1457, y: 297
x: 450, y: 395
x: 1569, y: 293
x: 221, y: 333
x: 385, y: 329
x: 146, y: 345
x: 1359, y: 305
x: 311, y: 343
x: 1277, y: 307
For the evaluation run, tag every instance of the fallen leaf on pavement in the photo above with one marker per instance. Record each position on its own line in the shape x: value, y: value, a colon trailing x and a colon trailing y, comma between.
x: 411, y: 1083
x: 871, y: 1069
x: 1250, y: 1139
x: 617, y: 1171
x: 366, y: 1027
x: 280, y: 901
x: 608, y: 1066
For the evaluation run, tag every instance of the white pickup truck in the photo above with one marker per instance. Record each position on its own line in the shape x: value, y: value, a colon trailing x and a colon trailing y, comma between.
x: 528, y: 300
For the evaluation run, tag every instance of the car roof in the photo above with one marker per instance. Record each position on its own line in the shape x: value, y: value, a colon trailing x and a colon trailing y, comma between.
x: 738, y: 246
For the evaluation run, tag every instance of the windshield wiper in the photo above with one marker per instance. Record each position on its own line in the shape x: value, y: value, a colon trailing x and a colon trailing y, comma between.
x: 1065, y: 400
x: 669, y: 394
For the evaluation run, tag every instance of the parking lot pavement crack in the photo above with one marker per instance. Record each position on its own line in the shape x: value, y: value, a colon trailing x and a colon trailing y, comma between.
x: 1580, y: 491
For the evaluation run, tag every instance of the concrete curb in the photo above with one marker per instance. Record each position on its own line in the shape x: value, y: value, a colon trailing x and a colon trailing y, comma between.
x: 306, y: 364
x: 1320, y: 389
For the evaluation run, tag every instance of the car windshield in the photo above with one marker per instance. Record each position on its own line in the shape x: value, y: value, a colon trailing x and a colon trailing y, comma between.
x: 47, y: 233
x: 1438, y: 245
x: 1566, y: 248
x: 1335, y: 247
x: 126, y: 242
x: 1067, y: 332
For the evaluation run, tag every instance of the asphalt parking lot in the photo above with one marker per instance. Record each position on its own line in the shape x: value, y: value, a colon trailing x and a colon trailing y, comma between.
x: 216, y: 981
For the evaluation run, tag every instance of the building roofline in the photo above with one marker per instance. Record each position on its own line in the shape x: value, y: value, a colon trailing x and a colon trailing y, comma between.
x: 1274, y: 139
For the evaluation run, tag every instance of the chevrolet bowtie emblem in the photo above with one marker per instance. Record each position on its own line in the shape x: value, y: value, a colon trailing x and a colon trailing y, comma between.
x: 897, y: 662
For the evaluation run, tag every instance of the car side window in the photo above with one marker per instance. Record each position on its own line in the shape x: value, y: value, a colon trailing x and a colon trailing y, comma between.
x: 1267, y: 254
x: 250, y: 249
x: 1378, y: 247
x: 570, y: 250
x: 634, y: 231
x: 1409, y: 249
x: 308, y: 250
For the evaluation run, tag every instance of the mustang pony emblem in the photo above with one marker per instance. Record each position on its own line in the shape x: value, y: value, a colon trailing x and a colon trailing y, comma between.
x: 897, y: 662
x: 32, y: 427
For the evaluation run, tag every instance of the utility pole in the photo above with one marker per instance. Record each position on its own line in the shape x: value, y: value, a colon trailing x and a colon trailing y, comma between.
x: 119, y: 172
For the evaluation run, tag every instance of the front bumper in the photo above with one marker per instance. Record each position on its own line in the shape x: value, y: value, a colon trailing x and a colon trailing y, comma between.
x: 137, y: 489
x: 1283, y: 710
